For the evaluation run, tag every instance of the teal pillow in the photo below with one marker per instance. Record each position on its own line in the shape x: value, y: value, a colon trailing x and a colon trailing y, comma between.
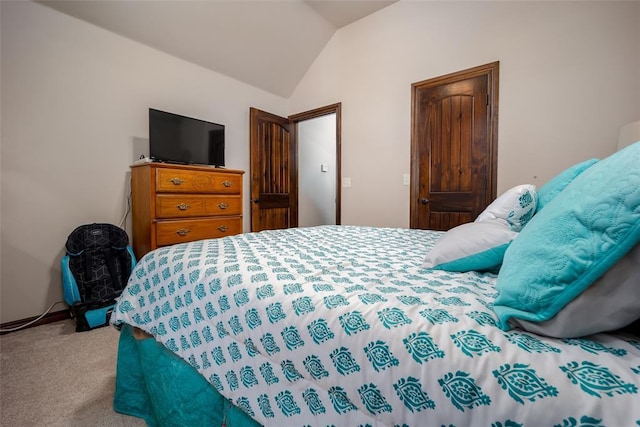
x: 555, y: 185
x: 615, y: 293
x: 573, y: 241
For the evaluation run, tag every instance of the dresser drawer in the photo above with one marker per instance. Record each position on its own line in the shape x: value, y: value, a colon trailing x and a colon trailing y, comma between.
x: 194, y: 181
x: 188, y: 205
x: 181, y: 203
x: 171, y: 232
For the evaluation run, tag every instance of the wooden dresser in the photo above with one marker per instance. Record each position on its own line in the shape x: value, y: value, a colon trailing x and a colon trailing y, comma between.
x: 180, y: 203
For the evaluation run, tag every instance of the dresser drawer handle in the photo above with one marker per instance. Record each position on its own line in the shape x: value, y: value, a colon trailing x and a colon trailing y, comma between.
x: 227, y: 183
x: 183, y: 206
x: 223, y: 228
x: 183, y: 232
x: 223, y: 205
x: 176, y: 181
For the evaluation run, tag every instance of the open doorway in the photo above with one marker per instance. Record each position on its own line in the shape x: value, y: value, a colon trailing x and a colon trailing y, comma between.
x: 316, y: 171
x: 275, y: 168
x: 318, y: 135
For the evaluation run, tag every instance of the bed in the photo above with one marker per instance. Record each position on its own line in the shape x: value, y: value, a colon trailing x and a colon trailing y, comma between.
x: 351, y: 326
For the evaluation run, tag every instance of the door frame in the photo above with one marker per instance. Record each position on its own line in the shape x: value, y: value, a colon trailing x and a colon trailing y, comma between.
x: 312, y: 114
x: 491, y: 71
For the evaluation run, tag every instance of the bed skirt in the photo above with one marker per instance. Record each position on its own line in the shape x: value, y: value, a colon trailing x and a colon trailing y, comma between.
x: 156, y: 385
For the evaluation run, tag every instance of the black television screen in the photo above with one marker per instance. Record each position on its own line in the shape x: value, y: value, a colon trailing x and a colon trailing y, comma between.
x: 178, y: 139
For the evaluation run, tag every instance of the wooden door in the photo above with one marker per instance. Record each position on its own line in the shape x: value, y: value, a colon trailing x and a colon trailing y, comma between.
x: 274, y: 172
x: 453, y: 147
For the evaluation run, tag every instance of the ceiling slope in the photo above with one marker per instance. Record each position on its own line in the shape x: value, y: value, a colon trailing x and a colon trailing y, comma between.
x: 267, y: 44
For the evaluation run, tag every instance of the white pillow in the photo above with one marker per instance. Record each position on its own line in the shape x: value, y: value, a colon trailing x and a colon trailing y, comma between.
x: 516, y: 206
x: 475, y: 246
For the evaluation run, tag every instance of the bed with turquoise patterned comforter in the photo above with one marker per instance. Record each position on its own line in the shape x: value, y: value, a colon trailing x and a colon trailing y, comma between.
x: 341, y: 325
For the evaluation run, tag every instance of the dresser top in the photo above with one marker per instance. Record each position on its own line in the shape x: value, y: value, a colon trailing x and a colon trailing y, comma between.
x: 205, y: 168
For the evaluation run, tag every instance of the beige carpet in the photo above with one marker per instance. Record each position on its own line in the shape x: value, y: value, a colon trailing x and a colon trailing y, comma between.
x: 51, y: 375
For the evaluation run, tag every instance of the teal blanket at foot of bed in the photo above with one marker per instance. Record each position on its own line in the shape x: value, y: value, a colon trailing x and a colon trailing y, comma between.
x: 156, y: 385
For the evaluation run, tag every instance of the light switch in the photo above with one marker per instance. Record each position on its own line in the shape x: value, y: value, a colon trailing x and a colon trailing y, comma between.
x: 324, y: 167
x: 346, y: 182
x: 405, y: 179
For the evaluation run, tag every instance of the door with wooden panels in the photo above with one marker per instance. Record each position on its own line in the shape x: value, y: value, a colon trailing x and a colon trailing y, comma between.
x: 274, y: 174
x: 453, y: 147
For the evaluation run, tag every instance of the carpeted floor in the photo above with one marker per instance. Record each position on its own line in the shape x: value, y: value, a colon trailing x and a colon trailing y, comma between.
x: 51, y: 375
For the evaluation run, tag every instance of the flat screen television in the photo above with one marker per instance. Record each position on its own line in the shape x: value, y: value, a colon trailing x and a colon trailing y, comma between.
x: 178, y: 139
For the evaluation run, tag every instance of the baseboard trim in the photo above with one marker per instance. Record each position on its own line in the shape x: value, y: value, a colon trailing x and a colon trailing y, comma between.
x: 55, y: 316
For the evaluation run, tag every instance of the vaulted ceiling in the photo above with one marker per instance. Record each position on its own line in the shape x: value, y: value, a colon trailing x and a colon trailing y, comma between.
x: 267, y: 44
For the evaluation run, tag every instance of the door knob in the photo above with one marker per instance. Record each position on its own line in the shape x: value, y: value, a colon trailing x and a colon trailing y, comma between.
x: 256, y: 200
x: 424, y: 200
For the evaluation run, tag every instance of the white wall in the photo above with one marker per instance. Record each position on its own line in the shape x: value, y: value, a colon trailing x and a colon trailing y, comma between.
x: 75, y: 101
x: 568, y: 81
x: 75, y: 98
x: 317, y: 187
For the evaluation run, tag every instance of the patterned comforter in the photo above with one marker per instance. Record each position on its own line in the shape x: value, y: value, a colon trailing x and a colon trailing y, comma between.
x: 340, y: 325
